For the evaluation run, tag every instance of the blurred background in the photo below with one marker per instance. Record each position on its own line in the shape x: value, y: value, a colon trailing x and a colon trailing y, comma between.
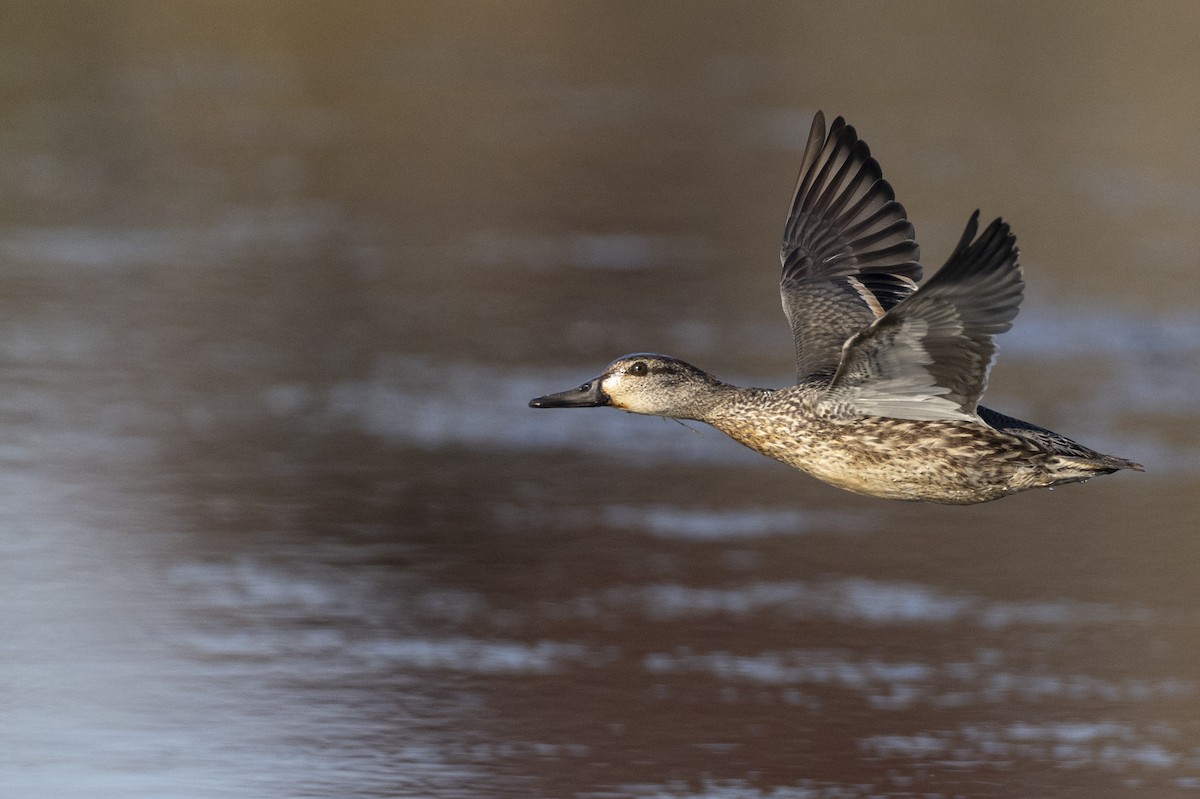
x: 277, y: 280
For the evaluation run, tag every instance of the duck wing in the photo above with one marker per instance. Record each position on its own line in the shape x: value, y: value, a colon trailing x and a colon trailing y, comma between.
x: 928, y: 357
x: 848, y: 250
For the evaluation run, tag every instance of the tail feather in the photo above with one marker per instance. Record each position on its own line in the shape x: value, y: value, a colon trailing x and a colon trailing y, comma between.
x: 1105, y: 464
x: 1088, y: 461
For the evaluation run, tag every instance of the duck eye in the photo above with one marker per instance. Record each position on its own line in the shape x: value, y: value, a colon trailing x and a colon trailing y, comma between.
x: 639, y: 369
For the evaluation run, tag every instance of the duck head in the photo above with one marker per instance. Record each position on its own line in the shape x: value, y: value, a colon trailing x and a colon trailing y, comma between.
x: 656, y: 385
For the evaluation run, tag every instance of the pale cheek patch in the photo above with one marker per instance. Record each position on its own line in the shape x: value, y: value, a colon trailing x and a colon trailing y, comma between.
x: 613, y: 385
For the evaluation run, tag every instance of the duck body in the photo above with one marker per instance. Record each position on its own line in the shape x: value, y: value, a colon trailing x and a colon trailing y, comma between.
x: 952, y: 461
x: 948, y: 461
x: 889, y: 375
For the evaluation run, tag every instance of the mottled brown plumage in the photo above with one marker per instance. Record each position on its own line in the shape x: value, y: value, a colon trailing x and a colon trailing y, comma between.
x: 889, y: 375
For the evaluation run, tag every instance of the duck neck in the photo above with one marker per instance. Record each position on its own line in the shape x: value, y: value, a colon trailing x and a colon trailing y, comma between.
x: 719, y: 401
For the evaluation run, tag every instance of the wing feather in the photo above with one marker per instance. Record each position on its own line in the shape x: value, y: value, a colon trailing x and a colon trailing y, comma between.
x: 928, y: 356
x: 848, y: 251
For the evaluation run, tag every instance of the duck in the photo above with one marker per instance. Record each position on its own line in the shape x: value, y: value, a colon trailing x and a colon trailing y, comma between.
x: 889, y: 373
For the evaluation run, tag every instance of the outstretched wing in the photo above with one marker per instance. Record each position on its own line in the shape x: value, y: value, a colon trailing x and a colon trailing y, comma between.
x: 928, y: 357
x: 848, y: 250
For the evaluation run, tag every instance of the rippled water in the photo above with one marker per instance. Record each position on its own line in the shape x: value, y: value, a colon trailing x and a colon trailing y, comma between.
x: 279, y: 281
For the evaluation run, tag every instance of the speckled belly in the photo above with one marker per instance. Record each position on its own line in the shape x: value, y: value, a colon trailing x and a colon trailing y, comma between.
x: 948, y: 462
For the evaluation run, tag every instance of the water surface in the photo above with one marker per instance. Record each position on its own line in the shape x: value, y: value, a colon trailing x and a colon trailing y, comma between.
x: 279, y: 280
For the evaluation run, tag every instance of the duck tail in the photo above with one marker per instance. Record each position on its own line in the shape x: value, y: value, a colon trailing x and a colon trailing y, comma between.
x: 1097, y: 463
x: 1112, y: 463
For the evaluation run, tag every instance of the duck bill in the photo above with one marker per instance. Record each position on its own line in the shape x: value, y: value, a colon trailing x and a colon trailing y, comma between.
x: 588, y: 395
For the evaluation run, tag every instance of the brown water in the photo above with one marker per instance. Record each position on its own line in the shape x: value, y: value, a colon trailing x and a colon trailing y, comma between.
x: 277, y: 280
